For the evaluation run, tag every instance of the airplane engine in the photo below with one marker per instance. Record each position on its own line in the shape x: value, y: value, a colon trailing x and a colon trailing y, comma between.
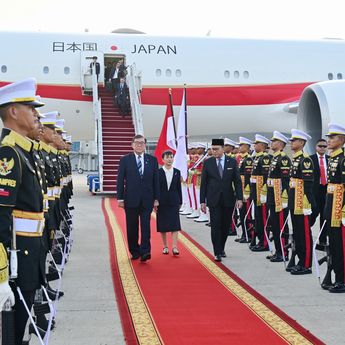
x: 320, y: 104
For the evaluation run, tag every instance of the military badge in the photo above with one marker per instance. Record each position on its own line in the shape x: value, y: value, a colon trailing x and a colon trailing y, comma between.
x: 6, y: 167
x: 307, y: 164
x: 266, y: 161
x: 285, y: 162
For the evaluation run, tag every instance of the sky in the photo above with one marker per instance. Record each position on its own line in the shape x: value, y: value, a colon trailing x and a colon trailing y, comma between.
x: 295, y: 19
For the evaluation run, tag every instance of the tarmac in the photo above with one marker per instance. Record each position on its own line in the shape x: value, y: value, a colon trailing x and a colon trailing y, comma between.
x: 88, y: 313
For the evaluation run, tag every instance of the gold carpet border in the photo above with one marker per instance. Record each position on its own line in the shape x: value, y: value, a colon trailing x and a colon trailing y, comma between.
x: 280, y: 326
x: 143, y: 324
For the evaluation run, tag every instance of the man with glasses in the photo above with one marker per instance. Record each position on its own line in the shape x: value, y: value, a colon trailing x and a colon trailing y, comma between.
x: 138, y: 193
x: 320, y: 160
x: 221, y: 188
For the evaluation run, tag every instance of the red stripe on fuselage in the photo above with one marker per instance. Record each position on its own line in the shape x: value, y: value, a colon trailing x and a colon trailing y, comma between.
x: 196, y: 96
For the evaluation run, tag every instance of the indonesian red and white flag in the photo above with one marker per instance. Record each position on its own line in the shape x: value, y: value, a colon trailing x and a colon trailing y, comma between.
x: 167, y: 140
x: 180, y: 161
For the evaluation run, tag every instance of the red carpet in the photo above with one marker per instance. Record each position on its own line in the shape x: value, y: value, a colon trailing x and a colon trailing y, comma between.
x: 189, y: 299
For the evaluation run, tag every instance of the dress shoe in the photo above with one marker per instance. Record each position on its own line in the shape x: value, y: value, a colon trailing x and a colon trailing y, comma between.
x: 175, y: 251
x: 145, y: 257
x: 326, y: 286
x: 300, y: 270
x: 278, y: 258
x: 165, y: 251
x: 270, y: 257
x: 218, y: 258
x: 135, y: 257
x: 243, y: 240
x: 259, y: 248
x: 208, y: 224
x: 223, y: 255
x: 237, y: 240
x: 337, y: 288
x: 290, y: 269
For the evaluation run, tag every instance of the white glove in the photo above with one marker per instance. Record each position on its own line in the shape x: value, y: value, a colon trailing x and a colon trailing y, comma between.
x: 343, y: 221
x: 6, y: 291
x: 307, y: 211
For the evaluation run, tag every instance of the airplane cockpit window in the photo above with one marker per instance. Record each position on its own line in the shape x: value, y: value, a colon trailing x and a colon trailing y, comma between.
x: 158, y: 72
x: 330, y: 76
x: 168, y: 72
x: 45, y: 69
x: 339, y: 76
x: 66, y: 70
x: 226, y: 74
x: 245, y: 74
x: 178, y: 73
x: 236, y: 74
x: 3, y: 69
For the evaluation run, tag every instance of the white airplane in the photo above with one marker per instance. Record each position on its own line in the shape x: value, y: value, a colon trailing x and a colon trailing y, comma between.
x: 234, y: 86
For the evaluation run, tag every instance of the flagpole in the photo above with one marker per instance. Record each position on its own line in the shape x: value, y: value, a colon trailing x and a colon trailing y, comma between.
x: 185, y: 115
x: 172, y: 114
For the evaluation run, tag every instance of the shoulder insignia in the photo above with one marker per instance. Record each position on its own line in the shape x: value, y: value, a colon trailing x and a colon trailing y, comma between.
x: 305, y: 155
x: 6, y: 166
x: 307, y: 164
x: 283, y: 154
x: 285, y: 162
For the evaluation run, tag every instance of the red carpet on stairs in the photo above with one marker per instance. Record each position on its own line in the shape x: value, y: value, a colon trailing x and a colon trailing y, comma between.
x: 117, y: 134
x: 189, y: 299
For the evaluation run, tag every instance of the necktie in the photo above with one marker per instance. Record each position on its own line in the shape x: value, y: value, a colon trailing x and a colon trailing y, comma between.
x: 220, y: 168
x: 140, y: 168
x: 322, y: 171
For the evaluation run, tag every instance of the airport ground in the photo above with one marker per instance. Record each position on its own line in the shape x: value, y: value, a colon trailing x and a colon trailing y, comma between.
x: 88, y: 313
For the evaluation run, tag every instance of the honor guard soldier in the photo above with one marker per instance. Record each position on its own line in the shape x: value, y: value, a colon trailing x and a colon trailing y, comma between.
x: 300, y: 202
x: 261, y: 165
x: 229, y: 147
x: 277, y: 195
x: 335, y: 209
x: 21, y: 199
x: 245, y: 168
x: 201, y: 151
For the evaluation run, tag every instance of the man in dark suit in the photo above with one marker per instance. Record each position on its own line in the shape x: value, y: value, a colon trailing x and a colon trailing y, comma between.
x: 122, y: 97
x: 97, y: 66
x: 220, y: 175
x: 138, y: 193
x: 320, y: 160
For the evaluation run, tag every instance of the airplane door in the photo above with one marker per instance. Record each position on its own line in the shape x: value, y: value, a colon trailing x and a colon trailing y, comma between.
x: 86, y: 58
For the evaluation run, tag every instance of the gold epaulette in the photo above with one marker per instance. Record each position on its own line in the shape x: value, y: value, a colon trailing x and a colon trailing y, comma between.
x: 305, y: 155
x: 35, y: 144
x: 45, y: 147
x: 13, y: 139
x: 54, y: 150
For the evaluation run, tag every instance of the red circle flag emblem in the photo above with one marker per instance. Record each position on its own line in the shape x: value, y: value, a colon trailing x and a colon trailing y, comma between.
x: 113, y: 48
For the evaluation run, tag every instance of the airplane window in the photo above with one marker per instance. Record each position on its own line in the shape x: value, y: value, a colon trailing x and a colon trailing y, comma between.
x: 3, y: 69
x: 158, y: 72
x: 45, y: 69
x: 330, y: 76
x: 168, y: 72
x: 246, y: 74
x: 226, y: 74
x: 236, y: 74
x: 178, y: 73
x: 339, y: 76
x: 66, y: 70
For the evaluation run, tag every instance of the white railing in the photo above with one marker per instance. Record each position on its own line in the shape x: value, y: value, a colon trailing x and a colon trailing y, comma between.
x: 97, y: 112
x: 133, y: 80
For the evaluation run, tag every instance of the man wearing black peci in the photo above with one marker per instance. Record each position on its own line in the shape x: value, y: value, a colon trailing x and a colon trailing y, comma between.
x: 138, y: 193
x: 320, y: 160
x: 220, y: 176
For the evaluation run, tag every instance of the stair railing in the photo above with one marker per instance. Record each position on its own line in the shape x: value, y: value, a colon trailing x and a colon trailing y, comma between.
x: 133, y: 80
x: 97, y: 112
